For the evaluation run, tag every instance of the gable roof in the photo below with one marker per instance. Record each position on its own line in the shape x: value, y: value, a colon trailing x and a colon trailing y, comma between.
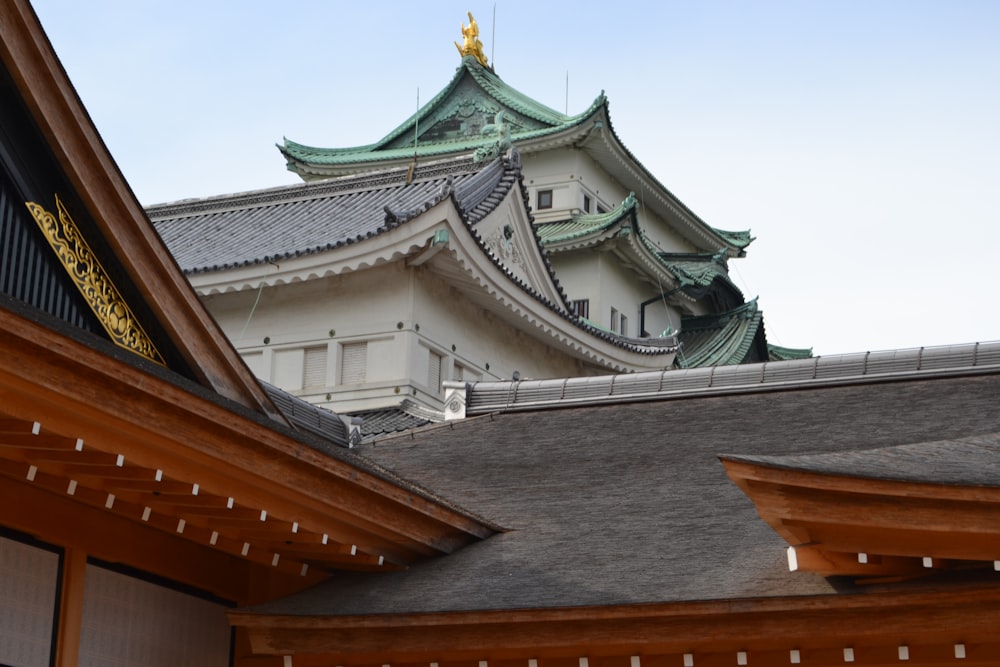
x: 105, y: 202
x: 474, y: 89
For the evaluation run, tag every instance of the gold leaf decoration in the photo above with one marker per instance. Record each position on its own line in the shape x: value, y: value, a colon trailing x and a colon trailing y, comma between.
x: 93, y: 281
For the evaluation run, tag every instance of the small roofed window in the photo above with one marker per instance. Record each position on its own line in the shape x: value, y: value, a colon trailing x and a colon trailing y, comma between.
x: 544, y: 199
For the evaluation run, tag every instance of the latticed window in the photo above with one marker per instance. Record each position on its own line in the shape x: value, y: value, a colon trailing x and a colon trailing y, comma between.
x: 580, y: 307
x: 354, y: 363
x: 614, y: 320
x: 314, y: 367
x: 624, y: 323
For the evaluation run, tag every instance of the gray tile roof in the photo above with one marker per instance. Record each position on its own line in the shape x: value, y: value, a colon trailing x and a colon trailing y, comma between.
x: 628, y: 503
x: 970, y: 461
x: 270, y: 225
x: 408, y: 415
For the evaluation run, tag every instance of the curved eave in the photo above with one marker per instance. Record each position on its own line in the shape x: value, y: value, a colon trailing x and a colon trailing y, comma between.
x: 869, y: 527
x: 480, y: 270
x: 779, y: 353
x: 554, y: 234
x: 739, y: 331
x: 607, y: 149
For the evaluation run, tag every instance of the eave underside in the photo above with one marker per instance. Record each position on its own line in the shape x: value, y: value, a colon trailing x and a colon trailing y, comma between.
x: 79, y: 424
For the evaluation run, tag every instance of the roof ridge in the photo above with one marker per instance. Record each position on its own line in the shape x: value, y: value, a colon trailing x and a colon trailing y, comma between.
x: 820, y: 371
x: 370, y: 180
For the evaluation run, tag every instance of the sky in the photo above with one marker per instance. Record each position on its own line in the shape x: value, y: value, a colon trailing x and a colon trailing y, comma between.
x: 859, y: 141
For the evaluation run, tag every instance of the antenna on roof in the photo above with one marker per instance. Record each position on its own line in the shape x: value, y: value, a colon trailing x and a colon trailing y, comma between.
x: 416, y: 134
x: 567, y: 92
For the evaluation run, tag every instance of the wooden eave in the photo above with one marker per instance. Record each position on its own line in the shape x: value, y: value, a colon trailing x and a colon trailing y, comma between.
x: 80, y: 422
x: 933, y: 626
x: 864, y: 527
x: 82, y: 155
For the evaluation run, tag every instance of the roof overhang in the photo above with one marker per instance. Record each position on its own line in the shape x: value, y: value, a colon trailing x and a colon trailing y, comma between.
x: 873, y: 528
x: 81, y: 424
x: 931, y: 627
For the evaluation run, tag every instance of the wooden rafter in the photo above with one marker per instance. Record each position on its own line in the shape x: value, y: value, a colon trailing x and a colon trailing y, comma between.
x: 105, y: 434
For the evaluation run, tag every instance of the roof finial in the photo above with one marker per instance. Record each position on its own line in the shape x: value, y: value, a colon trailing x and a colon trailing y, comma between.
x: 471, y: 46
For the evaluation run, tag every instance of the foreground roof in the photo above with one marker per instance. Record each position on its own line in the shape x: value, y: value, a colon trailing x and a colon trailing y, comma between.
x: 593, y: 502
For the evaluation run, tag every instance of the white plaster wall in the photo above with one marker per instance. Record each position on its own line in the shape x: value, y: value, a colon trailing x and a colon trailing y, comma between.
x: 570, y: 174
x: 402, y: 314
x: 598, y: 276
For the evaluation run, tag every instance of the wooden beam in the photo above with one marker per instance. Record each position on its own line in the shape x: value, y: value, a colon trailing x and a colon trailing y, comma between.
x: 72, y: 585
x: 965, y: 615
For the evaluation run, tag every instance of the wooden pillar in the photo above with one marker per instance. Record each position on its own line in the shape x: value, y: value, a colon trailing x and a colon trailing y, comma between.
x: 74, y: 570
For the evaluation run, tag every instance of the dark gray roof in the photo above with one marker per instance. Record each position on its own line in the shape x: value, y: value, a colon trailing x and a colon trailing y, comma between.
x: 629, y: 503
x: 304, y: 415
x: 408, y: 415
x: 270, y: 225
x: 970, y: 461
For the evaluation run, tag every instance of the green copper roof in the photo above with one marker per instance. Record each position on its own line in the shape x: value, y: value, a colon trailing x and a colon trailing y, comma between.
x: 692, y: 270
x: 697, y: 269
x: 778, y: 353
x: 733, y: 337
x: 584, y: 224
x: 738, y: 239
x: 478, y: 113
x: 475, y: 109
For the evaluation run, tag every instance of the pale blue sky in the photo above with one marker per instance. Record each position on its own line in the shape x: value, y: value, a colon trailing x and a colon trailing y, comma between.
x: 859, y: 141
